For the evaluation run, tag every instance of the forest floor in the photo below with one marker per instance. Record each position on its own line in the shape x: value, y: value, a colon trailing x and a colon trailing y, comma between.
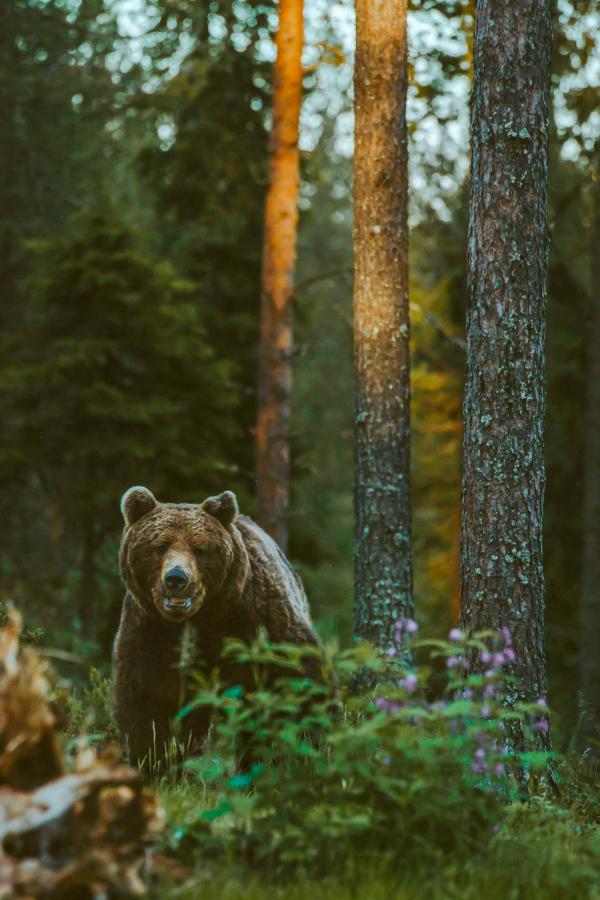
x: 401, y: 797
x: 541, y: 852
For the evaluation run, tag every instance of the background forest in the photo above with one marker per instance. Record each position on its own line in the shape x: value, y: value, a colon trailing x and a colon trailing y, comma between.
x: 133, y: 150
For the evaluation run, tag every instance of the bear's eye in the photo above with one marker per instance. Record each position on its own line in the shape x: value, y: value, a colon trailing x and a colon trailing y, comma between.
x: 161, y: 549
x: 200, y: 552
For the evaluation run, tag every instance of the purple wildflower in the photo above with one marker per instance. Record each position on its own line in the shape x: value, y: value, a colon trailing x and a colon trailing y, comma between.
x: 407, y: 625
x: 543, y: 726
x: 507, y: 636
x: 498, y: 660
x: 381, y: 703
x: 510, y: 654
x: 456, y: 635
x: 453, y: 661
x: 485, y: 657
x: 391, y: 651
x: 409, y: 683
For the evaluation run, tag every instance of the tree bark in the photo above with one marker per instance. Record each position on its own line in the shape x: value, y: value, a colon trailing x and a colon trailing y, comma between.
x: 276, y: 337
x: 589, y: 657
x: 383, y: 563
x: 502, y: 579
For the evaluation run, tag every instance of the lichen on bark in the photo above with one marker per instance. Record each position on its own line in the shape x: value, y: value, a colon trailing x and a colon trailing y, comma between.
x: 383, y: 564
x: 502, y: 579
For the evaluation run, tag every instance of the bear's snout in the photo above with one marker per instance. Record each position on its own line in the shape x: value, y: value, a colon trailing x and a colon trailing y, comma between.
x: 176, y: 581
x: 180, y: 592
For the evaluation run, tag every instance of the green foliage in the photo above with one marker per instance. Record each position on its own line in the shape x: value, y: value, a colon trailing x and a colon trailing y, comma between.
x: 111, y: 384
x: 114, y: 380
x: 541, y: 852
x: 321, y: 527
x: 438, y: 314
x: 88, y: 709
x: 56, y: 90
x: 364, y: 776
x: 205, y: 159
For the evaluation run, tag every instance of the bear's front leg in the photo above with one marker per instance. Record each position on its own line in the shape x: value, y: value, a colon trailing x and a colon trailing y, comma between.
x: 145, y: 685
x: 146, y: 734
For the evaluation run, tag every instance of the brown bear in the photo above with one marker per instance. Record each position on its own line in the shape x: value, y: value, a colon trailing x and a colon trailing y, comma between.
x: 208, y: 572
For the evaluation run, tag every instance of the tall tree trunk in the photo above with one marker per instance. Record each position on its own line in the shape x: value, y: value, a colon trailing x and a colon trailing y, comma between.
x: 590, y: 588
x: 502, y: 579
x: 276, y: 337
x: 383, y: 563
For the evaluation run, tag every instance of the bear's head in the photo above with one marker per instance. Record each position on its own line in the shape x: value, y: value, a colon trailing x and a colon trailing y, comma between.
x: 175, y: 556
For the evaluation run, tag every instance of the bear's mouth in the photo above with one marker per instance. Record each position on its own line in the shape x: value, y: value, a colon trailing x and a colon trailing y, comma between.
x: 179, y: 603
x: 177, y: 608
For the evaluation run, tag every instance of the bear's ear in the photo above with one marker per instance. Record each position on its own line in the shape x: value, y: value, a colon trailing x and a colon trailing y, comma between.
x: 223, y: 507
x: 136, y: 502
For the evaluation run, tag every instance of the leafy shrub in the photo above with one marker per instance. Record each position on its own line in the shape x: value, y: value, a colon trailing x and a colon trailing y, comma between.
x: 89, y: 709
x: 29, y: 635
x: 389, y: 772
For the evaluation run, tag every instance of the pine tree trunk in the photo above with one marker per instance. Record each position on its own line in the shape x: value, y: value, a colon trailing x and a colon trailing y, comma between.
x: 502, y: 579
x: 276, y: 337
x: 590, y: 597
x: 383, y: 564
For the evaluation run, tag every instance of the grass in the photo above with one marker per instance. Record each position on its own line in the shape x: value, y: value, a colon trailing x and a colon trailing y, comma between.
x: 542, y: 851
x: 432, y: 831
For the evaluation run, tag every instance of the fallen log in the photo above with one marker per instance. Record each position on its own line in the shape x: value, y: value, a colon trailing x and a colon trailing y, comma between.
x: 69, y: 830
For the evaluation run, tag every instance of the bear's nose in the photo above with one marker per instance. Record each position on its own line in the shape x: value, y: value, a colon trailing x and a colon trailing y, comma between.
x: 176, y: 579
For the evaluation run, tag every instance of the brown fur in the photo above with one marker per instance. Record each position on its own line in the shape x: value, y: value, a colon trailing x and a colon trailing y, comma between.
x: 239, y: 582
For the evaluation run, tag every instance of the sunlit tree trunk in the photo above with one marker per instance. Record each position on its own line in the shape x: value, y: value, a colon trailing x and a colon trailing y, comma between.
x: 383, y: 565
x: 281, y: 221
x: 590, y: 598
x: 502, y: 579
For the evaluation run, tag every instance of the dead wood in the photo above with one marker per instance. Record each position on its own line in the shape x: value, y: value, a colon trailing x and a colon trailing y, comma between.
x: 68, y: 829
